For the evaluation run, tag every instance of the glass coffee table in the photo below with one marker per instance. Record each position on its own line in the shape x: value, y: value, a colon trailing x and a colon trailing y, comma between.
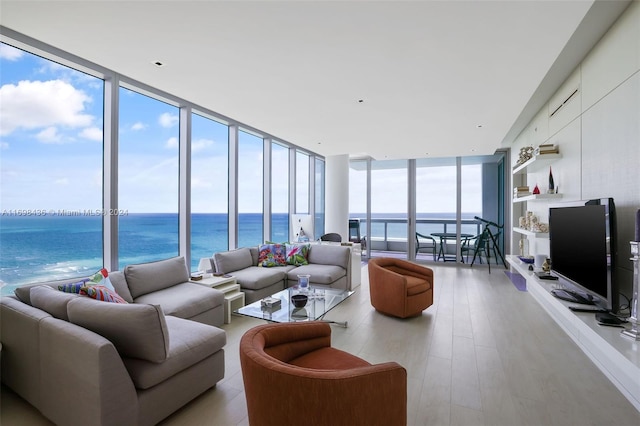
x: 320, y: 301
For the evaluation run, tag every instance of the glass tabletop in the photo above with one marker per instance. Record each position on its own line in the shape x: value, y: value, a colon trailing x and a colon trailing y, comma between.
x: 320, y: 301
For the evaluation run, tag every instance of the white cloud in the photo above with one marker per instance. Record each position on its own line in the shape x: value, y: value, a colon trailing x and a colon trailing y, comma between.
x: 168, y: 120
x: 201, y: 144
x: 91, y: 133
x: 37, y: 104
x: 49, y: 135
x: 62, y: 181
x: 138, y: 126
x: 10, y: 53
x: 171, y: 143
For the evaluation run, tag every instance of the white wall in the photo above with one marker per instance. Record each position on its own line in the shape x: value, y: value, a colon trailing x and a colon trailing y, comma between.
x: 598, y: 133
x: 337, y: 195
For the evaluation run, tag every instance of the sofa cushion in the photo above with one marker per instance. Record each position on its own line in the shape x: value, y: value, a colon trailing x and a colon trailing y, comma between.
x: 272, y: 255
x: 255, y: 253
x: 256, y: 278
x: 147, y: 277
x: 184, y: 300
x: 136, y: 330
x: 23, y: 292
x: 329, y: 255
x: 233, y: 260
x: 297, y: 254
x: 102, y: 293
x: 320, y: 274
x: 120, y: 284
x: 190, y: 343
x: 51, y: 301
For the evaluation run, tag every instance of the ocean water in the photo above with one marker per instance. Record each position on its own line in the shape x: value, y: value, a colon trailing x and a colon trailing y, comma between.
x: 43, y: 248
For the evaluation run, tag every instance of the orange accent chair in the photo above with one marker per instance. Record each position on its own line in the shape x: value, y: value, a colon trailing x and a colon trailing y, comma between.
x: 400, y: 288
x: 292, y: 375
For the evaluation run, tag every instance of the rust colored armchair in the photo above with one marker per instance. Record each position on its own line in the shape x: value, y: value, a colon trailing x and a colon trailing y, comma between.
x: 292, y: 375
x: 400, y: 288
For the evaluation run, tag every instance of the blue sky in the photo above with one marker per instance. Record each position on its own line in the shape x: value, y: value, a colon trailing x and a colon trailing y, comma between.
x: 51, y: 145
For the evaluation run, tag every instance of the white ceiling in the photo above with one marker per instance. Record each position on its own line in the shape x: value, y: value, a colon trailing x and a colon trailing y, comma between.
x: 428, y: 72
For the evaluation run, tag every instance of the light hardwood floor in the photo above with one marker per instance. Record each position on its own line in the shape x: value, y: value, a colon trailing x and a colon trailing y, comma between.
x: 483, y: 354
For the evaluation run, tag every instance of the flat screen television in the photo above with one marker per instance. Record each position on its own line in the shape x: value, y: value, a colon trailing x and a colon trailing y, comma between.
x: 582, y: 244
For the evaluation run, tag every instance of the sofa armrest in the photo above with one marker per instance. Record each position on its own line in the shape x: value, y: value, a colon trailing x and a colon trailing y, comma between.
x: 20, y: 330
x: 83, y: 378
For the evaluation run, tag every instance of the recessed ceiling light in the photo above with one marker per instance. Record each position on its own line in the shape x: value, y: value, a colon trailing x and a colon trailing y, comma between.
x: 360, y: 101
x: 158, y: 64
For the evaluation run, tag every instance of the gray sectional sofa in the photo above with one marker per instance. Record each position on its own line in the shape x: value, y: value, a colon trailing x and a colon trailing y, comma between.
x: 328, y: 265
x: 81, y: 361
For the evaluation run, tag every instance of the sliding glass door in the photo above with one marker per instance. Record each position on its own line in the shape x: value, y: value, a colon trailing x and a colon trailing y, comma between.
x: 444, y: 195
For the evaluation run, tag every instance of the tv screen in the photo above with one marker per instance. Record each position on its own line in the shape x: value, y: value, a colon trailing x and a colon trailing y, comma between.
x: 581, y: 238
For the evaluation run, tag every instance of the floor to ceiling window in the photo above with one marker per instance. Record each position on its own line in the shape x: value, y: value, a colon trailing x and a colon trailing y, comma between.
x: 389, y: 204
x: 319, y: 196
x: 358, y: 193
x: 279, y: 192
x: 250, y: 185
x: 147, y: 179
x: 436, y: 201
x: 51, y: 182
x: 209, y: 187
x: 62, y: 138
x: 302, y: 183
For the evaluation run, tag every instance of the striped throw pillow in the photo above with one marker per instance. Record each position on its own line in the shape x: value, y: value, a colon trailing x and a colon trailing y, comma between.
x: 100, y: 292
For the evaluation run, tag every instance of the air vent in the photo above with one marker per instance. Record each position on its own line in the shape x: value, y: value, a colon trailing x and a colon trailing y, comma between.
x: 563, y: 103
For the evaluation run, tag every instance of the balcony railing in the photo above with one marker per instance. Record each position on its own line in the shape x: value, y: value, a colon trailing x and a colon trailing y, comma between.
x: 390, y: 234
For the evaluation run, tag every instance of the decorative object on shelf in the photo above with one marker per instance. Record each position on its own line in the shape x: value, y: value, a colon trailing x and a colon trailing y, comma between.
x: 539, y: 260
x: 526, y: 153
x: 530, y: 222
x: 524, y: 248
x: 634, y: 331
x: 522, y: 222
x: 536, y: 190
x: 545, y: 149
x: 546, y: 265
x: 552, y: 187
x: 527, y: 259
x: 521, y: 191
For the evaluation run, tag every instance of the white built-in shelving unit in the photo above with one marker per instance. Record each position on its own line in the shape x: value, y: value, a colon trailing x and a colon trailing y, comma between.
x: 614, y: 354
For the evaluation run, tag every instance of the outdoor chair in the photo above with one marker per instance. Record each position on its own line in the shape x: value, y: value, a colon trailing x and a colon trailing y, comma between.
x: 426, y: 242
x: 331, y: 236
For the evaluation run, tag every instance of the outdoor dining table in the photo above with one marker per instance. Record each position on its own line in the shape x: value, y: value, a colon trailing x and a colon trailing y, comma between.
x: 443, y: 237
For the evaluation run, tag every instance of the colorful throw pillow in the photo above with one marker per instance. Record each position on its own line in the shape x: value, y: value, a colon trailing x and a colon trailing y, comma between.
x: 74, y: 288
x: 298, y: 254
x: 105, y: 294
x: 101, y: 278
x: 272, y: 255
